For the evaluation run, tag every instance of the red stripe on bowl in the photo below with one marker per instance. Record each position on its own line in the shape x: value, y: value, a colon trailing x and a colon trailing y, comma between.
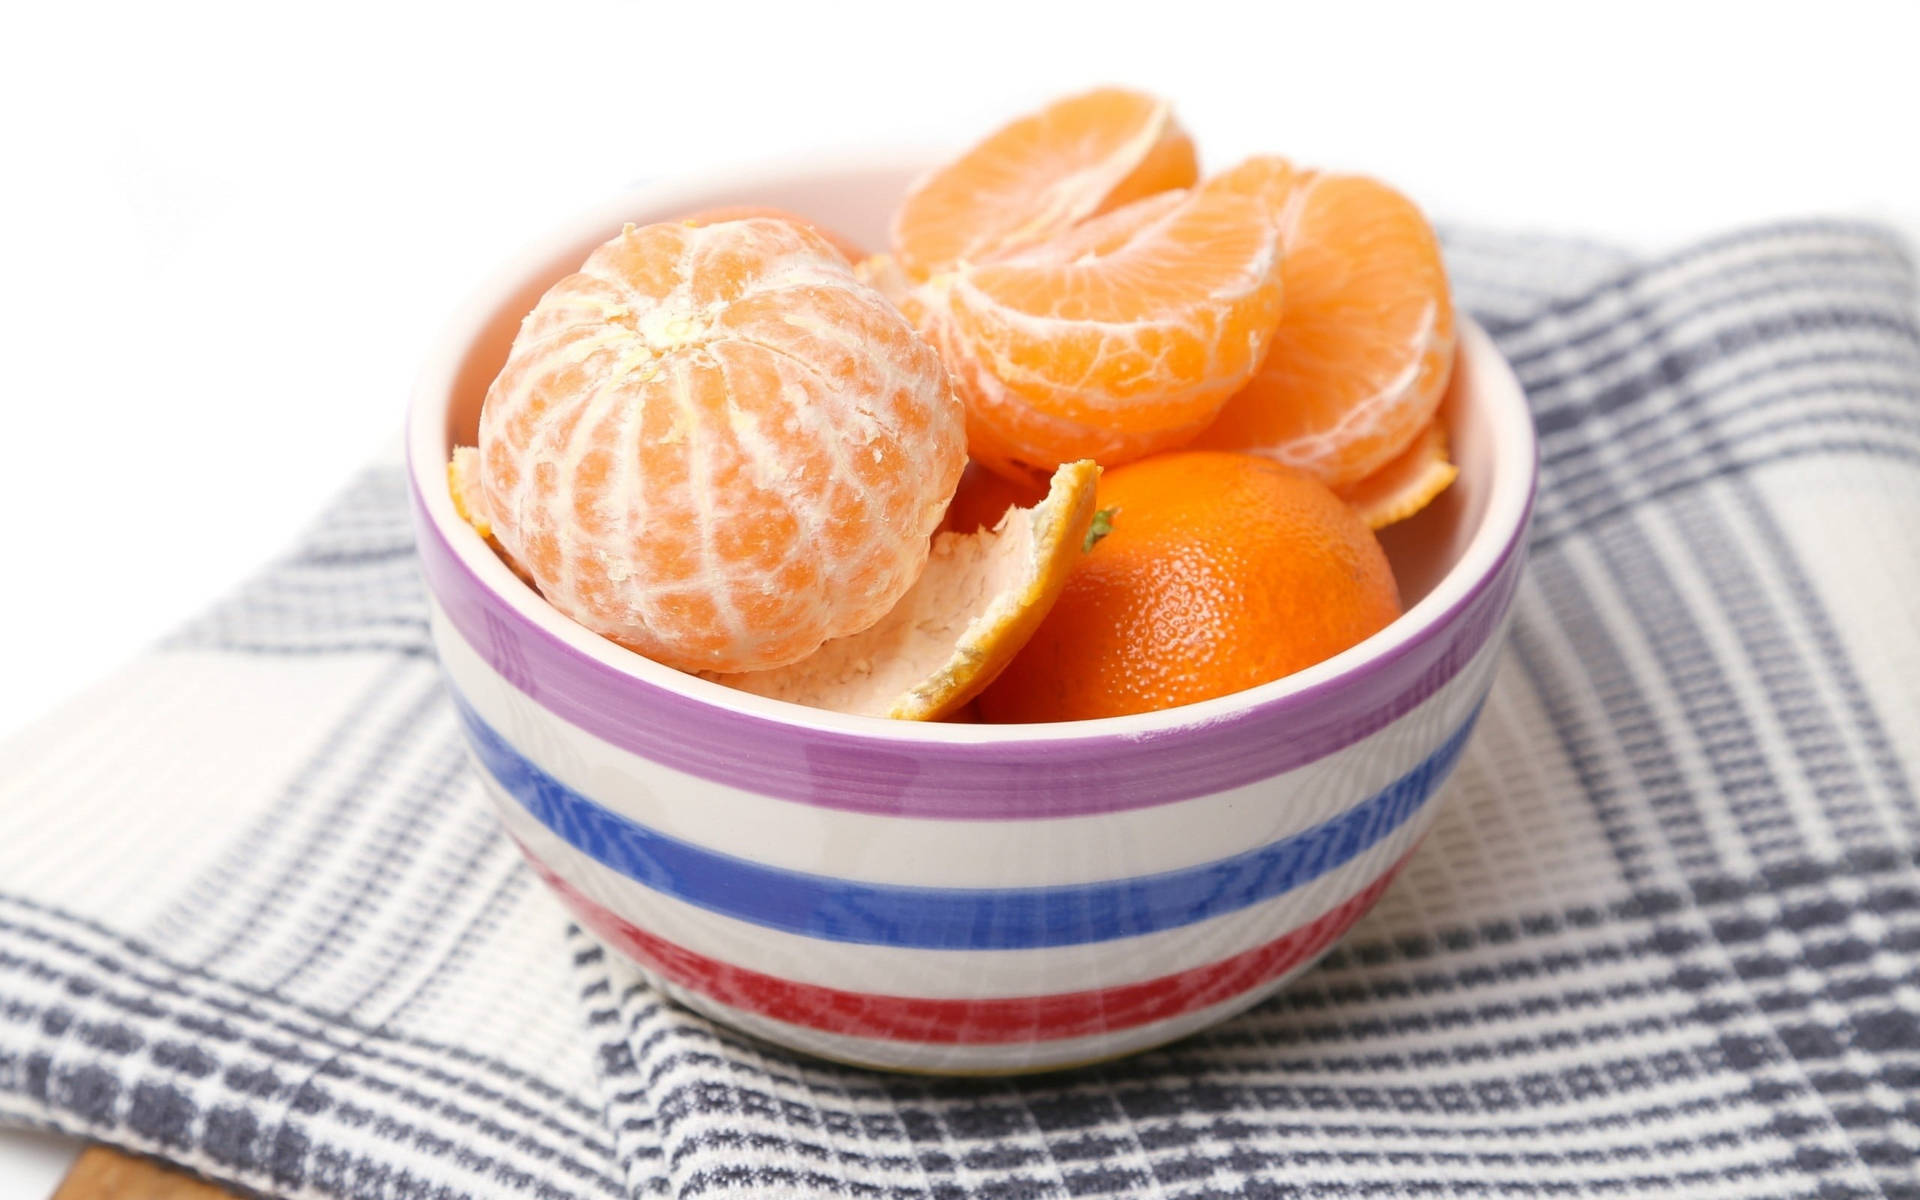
x: 975, y: 1022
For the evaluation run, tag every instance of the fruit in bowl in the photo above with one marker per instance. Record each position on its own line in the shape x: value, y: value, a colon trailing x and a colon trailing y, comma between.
x: 958, y: 895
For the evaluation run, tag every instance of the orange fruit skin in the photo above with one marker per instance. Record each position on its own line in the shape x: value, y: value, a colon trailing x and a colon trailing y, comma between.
x: 1222, y: 572
x: 716, y: 447
x: 1364, y: 349
x: 848, y: 248
x: 1408, y: 483
x: 1040, y: 175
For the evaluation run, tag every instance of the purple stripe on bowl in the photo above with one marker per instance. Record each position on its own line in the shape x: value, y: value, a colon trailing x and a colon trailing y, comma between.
x: 1012, y: 780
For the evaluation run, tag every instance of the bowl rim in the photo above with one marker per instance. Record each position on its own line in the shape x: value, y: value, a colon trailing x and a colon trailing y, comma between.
x: 1500, y: 535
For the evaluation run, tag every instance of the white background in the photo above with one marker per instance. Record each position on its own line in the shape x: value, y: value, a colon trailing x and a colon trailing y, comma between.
x: 227, y: 234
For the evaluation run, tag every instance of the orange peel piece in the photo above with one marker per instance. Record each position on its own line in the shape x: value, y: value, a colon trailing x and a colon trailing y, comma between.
x: 463, y: 484
x: 1407, y: 483
x: 975, y: 605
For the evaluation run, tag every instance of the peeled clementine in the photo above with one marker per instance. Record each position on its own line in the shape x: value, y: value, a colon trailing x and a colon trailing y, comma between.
x: 848, y: 248
x: 715, y: 446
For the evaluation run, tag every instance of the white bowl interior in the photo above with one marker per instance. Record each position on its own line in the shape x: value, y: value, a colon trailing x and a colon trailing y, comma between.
x: 1436, y: 556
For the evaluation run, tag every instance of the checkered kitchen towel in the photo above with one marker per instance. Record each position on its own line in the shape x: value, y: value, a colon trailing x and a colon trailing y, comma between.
x: 255, y: 916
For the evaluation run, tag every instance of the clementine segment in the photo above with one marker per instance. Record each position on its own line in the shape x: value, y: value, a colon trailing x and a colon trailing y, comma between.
x: 1113, y: 340
x: 1364, y: 349
x: 1041, y: 175
x: 1220, y: 572
x: 715, y: 446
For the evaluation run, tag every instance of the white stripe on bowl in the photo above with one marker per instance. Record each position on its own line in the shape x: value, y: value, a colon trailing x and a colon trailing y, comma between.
x: 918, y: 852
x: 957, y: 974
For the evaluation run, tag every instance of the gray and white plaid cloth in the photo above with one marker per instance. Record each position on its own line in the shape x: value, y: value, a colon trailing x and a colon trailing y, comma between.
x: 256, y: 918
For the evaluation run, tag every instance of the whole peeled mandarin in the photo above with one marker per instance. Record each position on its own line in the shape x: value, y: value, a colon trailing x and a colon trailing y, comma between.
x: 715, y: 446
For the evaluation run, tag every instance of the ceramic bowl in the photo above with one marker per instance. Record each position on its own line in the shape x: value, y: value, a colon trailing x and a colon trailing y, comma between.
x: 959, y: 898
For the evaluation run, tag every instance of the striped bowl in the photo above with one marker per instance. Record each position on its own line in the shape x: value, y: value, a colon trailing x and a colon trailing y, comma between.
x: 959, y: 898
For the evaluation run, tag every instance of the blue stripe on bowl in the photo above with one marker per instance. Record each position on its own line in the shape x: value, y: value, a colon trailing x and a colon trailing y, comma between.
x: 953, y: 918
